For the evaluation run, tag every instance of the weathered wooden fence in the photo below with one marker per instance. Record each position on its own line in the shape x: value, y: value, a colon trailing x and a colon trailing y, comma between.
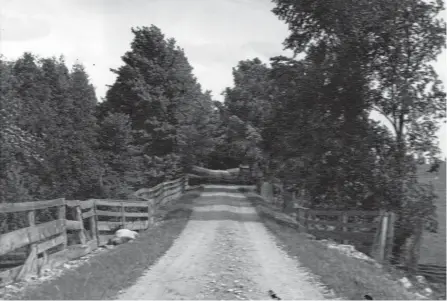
x: 372, y: 228
x: 235, y: 176
x: 433, y: 272
x: 91, y: 221
x: 371, y: 232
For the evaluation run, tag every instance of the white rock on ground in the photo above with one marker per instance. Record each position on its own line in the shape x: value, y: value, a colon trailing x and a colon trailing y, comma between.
x: 224, y: 252
x: 350, y: 250
x: 421, y: 279
x: 405, y: 282
x: 126, y: 233
x: 428, y: 291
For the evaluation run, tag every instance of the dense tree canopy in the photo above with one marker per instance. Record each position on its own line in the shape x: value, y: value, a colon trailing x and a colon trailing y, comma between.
x: 171, y: 118
x: 315, y: 133
x: 57, y: 141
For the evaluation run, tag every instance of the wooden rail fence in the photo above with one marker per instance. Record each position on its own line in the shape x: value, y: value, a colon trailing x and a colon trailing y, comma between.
x: 373, y: 228
x: 237, y: 176
x: 47, y: 243
x: 433, y: 272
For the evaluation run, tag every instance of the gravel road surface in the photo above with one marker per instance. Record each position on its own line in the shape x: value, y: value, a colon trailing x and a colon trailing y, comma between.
x: 224, y: 253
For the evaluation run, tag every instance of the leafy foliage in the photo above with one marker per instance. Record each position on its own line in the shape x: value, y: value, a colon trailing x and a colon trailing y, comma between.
x: 311, y: 115
x: 301, y: 124
x: 171, y: 119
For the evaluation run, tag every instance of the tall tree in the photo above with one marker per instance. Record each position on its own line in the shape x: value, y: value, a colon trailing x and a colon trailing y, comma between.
x: 26, y: 76
x: 57, y: 125
x: 408, y: 92
x: 20, y: 150
x: 119, y: 162
x: 197, y: 130
x: 156, y: 88
x: 249, y: 98
x: 388, y: 47
x: 83, y: 136
x: 392, y: 44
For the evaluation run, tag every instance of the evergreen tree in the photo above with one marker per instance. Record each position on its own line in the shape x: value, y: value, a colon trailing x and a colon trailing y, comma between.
x: 19, y: 150
x: 82, y: 141
x: 117, y: 160
x: 157, y: 90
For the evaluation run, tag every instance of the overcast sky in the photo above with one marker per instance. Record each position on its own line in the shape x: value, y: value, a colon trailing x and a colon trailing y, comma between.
x: 215, y: 34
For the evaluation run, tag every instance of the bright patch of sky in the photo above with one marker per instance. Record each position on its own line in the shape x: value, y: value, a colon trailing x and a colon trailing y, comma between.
x: 215, y: 35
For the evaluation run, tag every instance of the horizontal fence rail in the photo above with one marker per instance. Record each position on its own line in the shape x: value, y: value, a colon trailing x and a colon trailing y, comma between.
x: 373, y: 229
x: 88, y: 223
x: 433, y: 272
x: 371, y: 232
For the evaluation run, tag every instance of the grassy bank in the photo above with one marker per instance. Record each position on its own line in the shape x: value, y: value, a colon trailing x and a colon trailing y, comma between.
x: 348, y: 278
x: 109, y: 272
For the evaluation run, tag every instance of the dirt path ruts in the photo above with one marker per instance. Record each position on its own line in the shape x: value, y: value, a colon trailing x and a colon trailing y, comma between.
x: 224, y: 253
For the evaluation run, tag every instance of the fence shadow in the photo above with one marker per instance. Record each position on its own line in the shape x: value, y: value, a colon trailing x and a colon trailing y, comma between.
x: 224, y: 215
x: 224, y: 189
x: 229, y: 201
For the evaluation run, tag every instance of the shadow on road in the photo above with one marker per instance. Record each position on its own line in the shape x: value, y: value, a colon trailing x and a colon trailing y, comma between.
x: 224, y: 189
x: 232, y: 203
x: 236, y: 202
x: 222, y: 215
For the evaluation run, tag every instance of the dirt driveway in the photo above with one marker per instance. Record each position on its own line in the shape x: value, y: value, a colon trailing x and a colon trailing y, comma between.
x: 224, y: 253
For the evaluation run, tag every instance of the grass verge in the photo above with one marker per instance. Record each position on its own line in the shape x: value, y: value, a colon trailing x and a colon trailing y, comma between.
x: 109, y: 272
x: 349, y: 278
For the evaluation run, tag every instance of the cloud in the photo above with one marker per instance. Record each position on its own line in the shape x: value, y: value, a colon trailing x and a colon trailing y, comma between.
x: 23, y: 28
x: 229, y: 54
x: 266, y: 50
x: 117, y: 7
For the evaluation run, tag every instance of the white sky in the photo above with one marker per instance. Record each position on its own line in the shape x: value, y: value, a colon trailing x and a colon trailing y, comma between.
x: 215, y: 34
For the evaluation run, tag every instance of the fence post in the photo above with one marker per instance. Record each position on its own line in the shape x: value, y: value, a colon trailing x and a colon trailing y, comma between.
x: 390, y: 236
x: 306, y: 218
x: 162, y: 194
x: 82, y: 237
x: 62, y: 216
x: 150, y: 209
x: 297, y: 217
x: 344, y: 228
x: 93, y: 227
x: 96, y: 223
x: 31, y: 220
x: 301, y: 219
x: 31, y: 260
x: 148, y: 202
x: 166, y: 192
x: 382, y: 238
x: 123, y: 215
x: 186, y: 181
